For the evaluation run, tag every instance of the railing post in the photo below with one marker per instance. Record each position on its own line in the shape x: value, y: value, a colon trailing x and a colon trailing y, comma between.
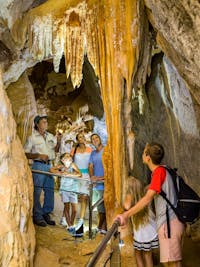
x: 90, y: 209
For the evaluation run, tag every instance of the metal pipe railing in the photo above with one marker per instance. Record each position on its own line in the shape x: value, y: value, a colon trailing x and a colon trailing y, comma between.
x: 61, y: 175
x: 91, y: 207
x: 101, y: 247
x: 99, y: 201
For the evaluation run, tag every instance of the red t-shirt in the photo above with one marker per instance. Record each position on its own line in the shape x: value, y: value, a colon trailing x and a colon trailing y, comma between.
x: 157, y: 179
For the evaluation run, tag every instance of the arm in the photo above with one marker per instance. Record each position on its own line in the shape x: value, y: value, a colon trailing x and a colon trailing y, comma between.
x: 91, y: 172
x: 37, y: 156
x: 77, y: 172
x: 72, y: 151
x: 56, y: 169
x: 28, y: 151
x: 143, y: 202
x: 99, y: 178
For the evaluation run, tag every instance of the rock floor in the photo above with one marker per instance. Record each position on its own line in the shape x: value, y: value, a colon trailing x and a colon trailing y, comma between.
x: 55, y: 247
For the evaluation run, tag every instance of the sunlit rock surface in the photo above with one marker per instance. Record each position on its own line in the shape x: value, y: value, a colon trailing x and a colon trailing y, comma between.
x: 17, y: 240
x: 24, y: 107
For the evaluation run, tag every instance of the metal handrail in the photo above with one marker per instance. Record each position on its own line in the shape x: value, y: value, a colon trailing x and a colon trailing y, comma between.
x: 99, y: 201
x: 91, y: 207
x: 101, y: 247
x: 61, y: 175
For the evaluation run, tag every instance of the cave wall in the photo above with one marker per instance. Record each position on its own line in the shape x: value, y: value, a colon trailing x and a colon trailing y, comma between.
x: 164, y: 111
x: 165, y: 105
x: 17, y: 233
x: 24, y: 107
x: 178, y: 33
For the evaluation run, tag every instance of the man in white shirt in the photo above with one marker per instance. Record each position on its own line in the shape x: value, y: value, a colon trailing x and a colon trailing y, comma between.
x: 41, y: 147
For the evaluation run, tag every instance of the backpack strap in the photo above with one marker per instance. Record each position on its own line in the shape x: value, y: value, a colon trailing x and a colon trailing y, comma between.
x: 168, y: 223
x: 163, y: 194
x: 173, y: 174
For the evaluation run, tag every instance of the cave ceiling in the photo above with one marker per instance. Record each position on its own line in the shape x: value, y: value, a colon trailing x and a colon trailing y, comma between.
x: 71, y: 28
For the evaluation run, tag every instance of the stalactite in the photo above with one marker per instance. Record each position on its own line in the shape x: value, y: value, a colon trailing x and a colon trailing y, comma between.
x: 58, y: 43
x: 117, y: 39
x: 107, y: 31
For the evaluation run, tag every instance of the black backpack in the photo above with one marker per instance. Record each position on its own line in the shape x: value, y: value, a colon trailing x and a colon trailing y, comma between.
x: 188, y: 202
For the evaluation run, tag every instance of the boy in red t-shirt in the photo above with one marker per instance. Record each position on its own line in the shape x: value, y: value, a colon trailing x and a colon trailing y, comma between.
x: 170, y: 247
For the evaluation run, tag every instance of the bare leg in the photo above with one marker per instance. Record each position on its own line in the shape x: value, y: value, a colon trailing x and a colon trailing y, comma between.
x: 102, y: 221
x: 83, y: 206
x: 63, y: 211
x: 67, y: 215
x: 104, y: 225
x: 74, y: 211
x: 148, y: 258
x: 139, y: 258
x: 174, y: 264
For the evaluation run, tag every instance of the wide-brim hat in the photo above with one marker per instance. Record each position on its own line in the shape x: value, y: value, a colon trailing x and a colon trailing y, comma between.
x: 38, y: 118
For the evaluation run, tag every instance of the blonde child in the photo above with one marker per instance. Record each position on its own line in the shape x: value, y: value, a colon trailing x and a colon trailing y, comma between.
x: 144, y: 226
x: 68, y: 187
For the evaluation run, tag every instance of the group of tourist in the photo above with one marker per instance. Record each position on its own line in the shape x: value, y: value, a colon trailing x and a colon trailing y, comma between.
x: 84, y: 162
x: 81, y: 161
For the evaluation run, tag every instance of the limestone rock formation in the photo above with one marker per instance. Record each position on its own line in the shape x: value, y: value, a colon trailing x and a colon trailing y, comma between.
x: 24, y: 107
x: 17, y: 233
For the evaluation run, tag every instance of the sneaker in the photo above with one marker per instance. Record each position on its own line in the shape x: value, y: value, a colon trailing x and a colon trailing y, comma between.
x: 103, y: 232
x: 71, y: 230
x: 79, y: 224
x: 78, y: 231
x: 63, y: 221
x: 96, y: 230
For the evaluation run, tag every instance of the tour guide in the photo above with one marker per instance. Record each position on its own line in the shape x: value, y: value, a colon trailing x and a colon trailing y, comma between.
x: 41, y: 147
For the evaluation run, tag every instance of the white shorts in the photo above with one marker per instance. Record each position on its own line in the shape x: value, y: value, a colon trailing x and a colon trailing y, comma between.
x: 69, y: 197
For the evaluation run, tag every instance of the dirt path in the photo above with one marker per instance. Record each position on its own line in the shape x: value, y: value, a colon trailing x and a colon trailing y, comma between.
x: 57, y: 248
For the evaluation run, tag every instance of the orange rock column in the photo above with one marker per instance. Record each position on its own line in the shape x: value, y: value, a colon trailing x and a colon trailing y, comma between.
x: 117, y: 39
